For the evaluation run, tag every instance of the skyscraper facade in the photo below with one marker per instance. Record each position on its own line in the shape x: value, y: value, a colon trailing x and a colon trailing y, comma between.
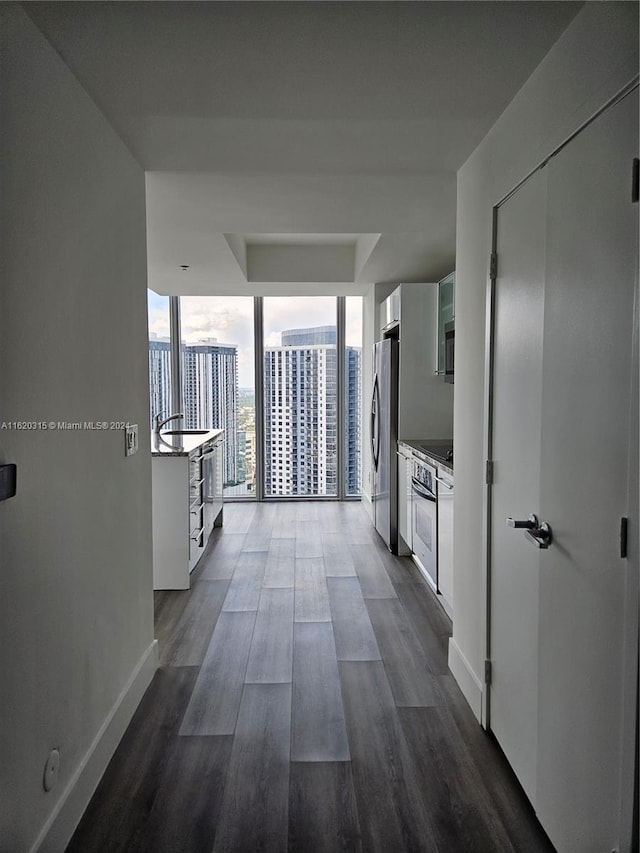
x: 309, y: 337
x: 301, y: 440
x: 352, y: 414
x: 159, y: 376
x: 210, y: 391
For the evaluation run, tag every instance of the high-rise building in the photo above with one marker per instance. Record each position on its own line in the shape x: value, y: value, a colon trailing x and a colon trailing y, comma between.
x: 352, y: 414
x: 300, y: 409
x: 301, y: 442
x: 210, y: 392
x: 159, y: 375
x: 309, y: 337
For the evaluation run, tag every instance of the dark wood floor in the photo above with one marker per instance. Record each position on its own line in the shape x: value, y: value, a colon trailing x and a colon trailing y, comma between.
x: 303, y: 702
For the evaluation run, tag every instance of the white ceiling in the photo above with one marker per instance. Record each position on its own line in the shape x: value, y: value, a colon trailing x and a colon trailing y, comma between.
x: 268, y: 130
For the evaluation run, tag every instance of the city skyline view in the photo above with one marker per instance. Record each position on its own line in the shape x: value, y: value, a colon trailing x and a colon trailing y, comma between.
x: 229, y: 319
x: 299, y: 365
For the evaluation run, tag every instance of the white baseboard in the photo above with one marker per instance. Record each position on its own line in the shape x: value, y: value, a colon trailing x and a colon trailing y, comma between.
x: 365, y: 500
x: 468, y: 681
x: 403, y: 548
x: 62, y: 822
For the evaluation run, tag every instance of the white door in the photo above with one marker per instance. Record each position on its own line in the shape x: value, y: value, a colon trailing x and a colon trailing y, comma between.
x: 563, y: 392
x: 519, y: 303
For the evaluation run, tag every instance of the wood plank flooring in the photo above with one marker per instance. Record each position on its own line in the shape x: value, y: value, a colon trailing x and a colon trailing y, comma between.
x: 303, y: 703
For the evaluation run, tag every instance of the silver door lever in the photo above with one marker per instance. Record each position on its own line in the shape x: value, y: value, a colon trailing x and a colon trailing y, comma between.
x: 541, y: 536
x: 529, y: 524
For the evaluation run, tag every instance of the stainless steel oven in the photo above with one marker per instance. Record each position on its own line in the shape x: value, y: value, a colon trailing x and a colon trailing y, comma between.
x: 424, y: 513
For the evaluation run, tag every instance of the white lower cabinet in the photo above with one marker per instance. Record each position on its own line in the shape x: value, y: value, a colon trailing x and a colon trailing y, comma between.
x: 205, y: 497
x: 186, y: 505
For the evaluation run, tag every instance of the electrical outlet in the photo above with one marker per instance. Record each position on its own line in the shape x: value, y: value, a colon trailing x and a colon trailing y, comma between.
x: 51, y: 770
x: 131, y: 439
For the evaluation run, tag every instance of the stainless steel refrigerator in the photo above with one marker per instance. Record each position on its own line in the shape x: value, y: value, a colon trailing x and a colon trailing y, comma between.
x: 384, y: 436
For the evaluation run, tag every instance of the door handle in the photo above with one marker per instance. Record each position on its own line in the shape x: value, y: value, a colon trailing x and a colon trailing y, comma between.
x: 541, y: 536
x: 375, y: 426
x: 529, y: 524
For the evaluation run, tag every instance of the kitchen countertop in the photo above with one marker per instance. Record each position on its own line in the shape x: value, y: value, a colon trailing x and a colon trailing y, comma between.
x: 181, y: 445
x: 415, y: 444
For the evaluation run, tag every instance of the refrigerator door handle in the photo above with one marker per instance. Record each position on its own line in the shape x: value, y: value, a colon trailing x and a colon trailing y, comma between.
x: 375, y: 432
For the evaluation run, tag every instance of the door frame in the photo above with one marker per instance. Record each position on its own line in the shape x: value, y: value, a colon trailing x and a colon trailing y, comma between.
x: 631, y: 737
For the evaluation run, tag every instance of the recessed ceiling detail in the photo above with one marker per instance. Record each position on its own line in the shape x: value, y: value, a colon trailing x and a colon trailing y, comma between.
x: 296, y: 262
x: 238, y: 246
x: 303, y: 257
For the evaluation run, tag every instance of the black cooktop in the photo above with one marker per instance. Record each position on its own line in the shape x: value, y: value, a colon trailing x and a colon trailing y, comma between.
x: 439, y: 451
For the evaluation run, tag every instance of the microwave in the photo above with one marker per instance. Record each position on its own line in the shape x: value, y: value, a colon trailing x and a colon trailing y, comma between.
x: 449, y: 351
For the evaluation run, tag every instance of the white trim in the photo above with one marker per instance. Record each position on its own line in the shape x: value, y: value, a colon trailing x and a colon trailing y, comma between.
x: 471, y: 686
x: 630, y: 739
x: 425, y: 574
x: 62, y: 822
x: 367, y: 504
x: 487, y: 445
x: 403, y: 548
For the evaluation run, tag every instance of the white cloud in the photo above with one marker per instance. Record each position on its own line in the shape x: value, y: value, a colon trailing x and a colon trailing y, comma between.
x: 159, y: 322
x: 273, y: 340
x: 230, y: 320
x: 285, y: 312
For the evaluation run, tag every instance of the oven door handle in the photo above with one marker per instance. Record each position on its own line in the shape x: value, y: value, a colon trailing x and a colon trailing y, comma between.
x: 443, y: 483
x: 420, y: 490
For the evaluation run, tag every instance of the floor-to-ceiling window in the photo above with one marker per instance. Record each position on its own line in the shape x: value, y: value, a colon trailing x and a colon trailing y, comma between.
x: 305, y: 441
x: 159, y: 355
x: 218, y: 384
x: 300, y: 397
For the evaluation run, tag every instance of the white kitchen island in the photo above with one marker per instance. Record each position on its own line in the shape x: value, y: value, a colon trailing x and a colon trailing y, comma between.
x: 186, y: 475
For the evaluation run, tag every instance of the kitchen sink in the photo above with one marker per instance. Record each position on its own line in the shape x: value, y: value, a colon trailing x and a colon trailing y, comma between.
x: 184, y: 432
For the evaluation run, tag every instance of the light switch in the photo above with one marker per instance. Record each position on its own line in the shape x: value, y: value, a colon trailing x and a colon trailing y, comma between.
x: 51, y: 770
x: 7, y: 481
x: 130, y: 439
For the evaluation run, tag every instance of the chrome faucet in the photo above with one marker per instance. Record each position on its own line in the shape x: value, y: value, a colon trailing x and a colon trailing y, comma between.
x: 160, y: 423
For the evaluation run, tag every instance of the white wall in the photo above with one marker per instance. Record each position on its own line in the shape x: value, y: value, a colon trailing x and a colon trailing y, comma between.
x: 76, y: 607
x: 593, y: 59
